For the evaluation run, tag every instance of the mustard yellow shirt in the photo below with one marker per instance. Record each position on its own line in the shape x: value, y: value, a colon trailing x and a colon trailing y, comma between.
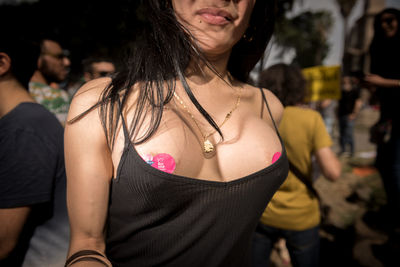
x: 293, y: 207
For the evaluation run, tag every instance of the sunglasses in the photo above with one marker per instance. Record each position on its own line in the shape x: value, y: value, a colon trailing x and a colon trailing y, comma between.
x: 105, y: 74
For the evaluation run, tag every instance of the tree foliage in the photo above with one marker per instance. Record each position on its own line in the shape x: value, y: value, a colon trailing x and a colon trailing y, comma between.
x: 284, y: 6
x: 306, y: 33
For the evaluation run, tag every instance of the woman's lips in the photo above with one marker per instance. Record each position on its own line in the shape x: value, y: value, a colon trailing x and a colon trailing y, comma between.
x: 215, y: 16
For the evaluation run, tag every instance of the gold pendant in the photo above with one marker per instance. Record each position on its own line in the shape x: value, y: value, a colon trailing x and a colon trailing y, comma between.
x: 208, y: 147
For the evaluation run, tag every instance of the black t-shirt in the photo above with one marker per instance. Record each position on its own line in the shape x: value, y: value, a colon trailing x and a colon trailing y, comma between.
x: 32, y: 174
x: 385, y: 58
x: 348, y: 101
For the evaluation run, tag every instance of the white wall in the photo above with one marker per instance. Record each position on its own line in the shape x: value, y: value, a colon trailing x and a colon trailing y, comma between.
x: 393, y: 3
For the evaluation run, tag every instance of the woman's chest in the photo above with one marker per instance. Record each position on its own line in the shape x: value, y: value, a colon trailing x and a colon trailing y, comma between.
x: 248, y: 145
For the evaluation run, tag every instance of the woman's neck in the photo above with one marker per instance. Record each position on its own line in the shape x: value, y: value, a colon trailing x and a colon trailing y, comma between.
x: 200, y: 73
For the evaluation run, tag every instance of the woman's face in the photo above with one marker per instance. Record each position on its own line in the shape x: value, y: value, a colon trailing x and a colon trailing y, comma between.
x: 216, y: 24
x: 389, y: 24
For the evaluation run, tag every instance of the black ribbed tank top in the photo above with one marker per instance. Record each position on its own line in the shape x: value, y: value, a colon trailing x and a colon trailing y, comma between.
x: 161, y: 219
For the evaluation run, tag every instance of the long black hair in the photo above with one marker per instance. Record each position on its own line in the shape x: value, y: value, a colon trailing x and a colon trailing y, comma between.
x: 163, y: 55
x: 384, y: 51
x: 378, y: 30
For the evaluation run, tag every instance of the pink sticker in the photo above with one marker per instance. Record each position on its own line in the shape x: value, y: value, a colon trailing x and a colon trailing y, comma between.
x: 164, y: 162
x: 275, y: 157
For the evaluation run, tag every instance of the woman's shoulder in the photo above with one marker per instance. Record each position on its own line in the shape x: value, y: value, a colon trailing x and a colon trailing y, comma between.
x: 273, y: 102
x: 270, y: 97
x: 87, y: 96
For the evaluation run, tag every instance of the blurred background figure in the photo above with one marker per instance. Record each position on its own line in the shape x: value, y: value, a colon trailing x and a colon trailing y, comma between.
x: 385, y: 77
x: 97, y: 67
x: 349, y: 106
x: 327, y: 108
x: 294, y: 212
x: 34, y: 228
x: 52, y: 69
x: 93, y: 67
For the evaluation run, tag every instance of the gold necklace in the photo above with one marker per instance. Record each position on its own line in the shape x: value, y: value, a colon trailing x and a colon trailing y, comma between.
x: 208, y: 147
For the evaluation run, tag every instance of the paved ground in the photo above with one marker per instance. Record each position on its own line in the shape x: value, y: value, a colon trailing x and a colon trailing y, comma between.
x: 348, y: 238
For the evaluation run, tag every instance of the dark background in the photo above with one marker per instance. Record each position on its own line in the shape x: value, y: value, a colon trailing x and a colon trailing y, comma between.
x: 84, y: 28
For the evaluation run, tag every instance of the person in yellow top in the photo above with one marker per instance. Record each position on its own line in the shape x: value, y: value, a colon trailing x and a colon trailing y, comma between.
x: 293, y: 212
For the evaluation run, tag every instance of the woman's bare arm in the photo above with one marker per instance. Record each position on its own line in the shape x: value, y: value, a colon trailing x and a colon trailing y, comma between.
x: 329, y: 163
x: 89, y: 172
x: 382, y: 82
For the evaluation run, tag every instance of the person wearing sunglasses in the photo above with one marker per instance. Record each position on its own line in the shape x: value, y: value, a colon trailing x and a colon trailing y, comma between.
x: 53, y: 68
x: 94, y: 67
x: 97, y: 67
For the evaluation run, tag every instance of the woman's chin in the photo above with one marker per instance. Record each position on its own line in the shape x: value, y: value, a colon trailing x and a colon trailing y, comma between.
x: 216, y: 48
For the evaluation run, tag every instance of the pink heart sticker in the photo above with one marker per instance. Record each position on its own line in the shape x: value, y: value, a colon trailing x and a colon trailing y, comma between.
x: 164, y: 162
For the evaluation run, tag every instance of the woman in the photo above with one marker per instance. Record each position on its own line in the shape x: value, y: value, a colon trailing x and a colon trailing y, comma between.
x: 173, y: 166
x: 293, y: 212
x: 385, y: 77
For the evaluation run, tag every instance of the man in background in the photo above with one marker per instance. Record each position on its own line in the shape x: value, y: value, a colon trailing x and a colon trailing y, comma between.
x: 34, y: 229
x: 97, y: 67
x: 52, y: 68
x: 93, y: 67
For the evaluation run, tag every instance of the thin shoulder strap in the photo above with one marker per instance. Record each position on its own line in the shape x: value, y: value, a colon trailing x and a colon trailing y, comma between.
x: 269, y: 111
x: 125, y: 128
x: 304, y: 179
